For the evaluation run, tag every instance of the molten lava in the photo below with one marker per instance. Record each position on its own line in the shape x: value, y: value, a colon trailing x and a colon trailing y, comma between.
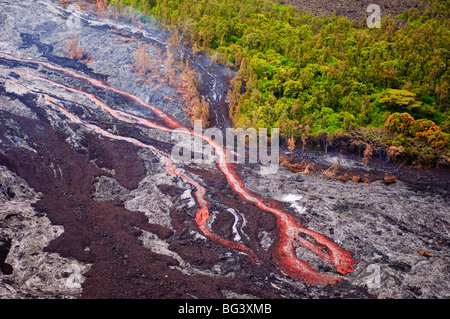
x: 289, y: 228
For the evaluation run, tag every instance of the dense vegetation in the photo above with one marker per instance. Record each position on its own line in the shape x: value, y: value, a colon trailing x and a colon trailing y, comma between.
x: 327, y: 77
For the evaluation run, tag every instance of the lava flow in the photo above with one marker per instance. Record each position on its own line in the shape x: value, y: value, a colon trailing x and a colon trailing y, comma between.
x: 290, y: 229
x: 203, y: 213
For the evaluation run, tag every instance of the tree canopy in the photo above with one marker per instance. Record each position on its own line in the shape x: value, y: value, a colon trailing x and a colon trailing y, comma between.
x: 326, y: 74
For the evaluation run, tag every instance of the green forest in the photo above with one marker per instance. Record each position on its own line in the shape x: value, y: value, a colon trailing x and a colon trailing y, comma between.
x: 327, y: 78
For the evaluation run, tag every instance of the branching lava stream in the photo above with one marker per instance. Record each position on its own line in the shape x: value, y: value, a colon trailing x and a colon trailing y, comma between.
x: 289, y: 228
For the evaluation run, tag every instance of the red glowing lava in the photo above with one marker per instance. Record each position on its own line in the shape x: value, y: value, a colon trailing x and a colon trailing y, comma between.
x: 203, y: 213
x: 289, y: 228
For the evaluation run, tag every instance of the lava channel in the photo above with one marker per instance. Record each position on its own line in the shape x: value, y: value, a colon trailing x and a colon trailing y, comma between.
x: 289, y: 228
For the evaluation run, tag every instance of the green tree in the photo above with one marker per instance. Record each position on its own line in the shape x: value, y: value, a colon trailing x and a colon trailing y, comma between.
x: 400, y: 100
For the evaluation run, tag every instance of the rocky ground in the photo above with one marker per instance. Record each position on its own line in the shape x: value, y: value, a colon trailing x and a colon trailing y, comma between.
x: 354, y: 9
x: 89, y: 208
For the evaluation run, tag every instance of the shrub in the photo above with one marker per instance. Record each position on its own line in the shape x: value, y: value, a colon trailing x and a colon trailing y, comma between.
x: 142, y: 60
x: 419, y: 128
x: 399, y: 122
x: 437, y: 139
x: 75, y: 51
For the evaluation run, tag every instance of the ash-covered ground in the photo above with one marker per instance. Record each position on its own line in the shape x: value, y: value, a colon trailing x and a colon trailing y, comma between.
x: 355, y: 10
x: 88, y: 212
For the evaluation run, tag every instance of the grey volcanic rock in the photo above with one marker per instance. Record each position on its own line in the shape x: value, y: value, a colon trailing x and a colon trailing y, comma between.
x: 383, y: 225
x: 33, y: 272
x: 353, y: 9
